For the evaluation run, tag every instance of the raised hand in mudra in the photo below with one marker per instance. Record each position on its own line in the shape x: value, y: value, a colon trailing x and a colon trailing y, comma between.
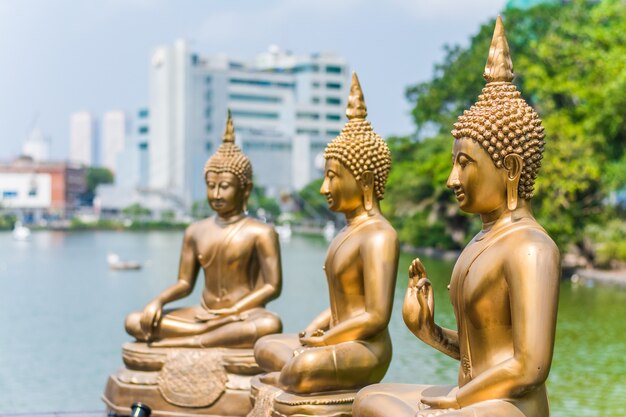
x: 418, y: 310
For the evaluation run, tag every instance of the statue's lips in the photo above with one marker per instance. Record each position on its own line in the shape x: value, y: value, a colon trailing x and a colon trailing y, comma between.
x: 460, y: 195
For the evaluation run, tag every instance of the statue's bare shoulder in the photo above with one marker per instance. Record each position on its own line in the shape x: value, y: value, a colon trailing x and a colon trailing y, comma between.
x: 381, y: 234
x: 532, y: 239
x: 261, y: 231
x: 535, y: 254
x: 199, y: 227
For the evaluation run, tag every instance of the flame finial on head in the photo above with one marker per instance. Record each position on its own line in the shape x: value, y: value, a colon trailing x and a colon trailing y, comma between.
x: 501, y: 121
x: 499, y: 66
x: 229, y: 157
x: 229, y: 130
x: 356, y: 101
x: 358, y: 147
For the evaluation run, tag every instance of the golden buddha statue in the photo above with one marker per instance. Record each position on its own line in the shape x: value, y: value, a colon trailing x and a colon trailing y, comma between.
x: 240, y: 258
x: 505, y: 284
x: 347, y: 346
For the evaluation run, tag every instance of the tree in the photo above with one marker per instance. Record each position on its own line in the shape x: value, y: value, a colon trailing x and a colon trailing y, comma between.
x: 569, y: 60
x: 96, y: 176
x: 136, y: 211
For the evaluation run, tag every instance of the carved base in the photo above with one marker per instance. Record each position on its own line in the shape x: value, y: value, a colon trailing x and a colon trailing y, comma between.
x: 182, y: 382
x: 270, y: 401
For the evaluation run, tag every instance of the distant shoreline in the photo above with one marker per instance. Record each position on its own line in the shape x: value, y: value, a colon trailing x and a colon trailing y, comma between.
x: 586, y: 276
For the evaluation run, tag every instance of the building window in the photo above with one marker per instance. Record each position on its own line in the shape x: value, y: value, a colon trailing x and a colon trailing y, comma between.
x: 261, y: 83
x: 315, y: 100
x: 308, y: 116
x: 32, y: 192
x: 208, y: 146
x: 332, y: 132
x: 207, y: 80
x: 306, y: 68
x: 143, y: 113
x: 308, y: 132
x: 143, y: 130
x: 333, y: 117
x: 333, y: 69
x: 333, y: 86
x: 208, y: 111
x: 333, y: 100
x: 143, y: 146
x: 209, y: 127
x: 316, y: 84
x: 253, y: 98
x: 208, y: 95
x: 273, y: 146
x: 255, y: 114
x: 9, y: 194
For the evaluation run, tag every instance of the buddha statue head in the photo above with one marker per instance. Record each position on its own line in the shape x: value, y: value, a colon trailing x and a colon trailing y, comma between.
x: 228, y: 175
x: 357, y: 161
x: 498, y: 142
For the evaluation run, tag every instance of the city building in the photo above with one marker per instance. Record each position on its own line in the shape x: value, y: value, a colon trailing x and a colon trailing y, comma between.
x: 285, y: 107
x: 38, y: 189
x: 113, y: 138
x: 36, y: 146
x: 83, y: 139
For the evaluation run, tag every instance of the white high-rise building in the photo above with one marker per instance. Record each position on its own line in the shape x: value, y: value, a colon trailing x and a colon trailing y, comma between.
x: 36, y: 146
x: 113, y: 137
x: 285, y: 108
x: 83, y: 139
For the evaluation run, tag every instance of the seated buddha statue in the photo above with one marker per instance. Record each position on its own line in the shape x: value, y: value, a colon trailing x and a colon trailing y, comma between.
x: 240, y: 258
x: 504, y: 287
x: 201, y: 356
x: 347, y: 346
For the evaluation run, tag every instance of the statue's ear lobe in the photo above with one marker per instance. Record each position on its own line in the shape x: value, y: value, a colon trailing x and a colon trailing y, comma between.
x: 367, y: 185
x: 367, y: 179
x: 513, y: 163
x: 247, y: 190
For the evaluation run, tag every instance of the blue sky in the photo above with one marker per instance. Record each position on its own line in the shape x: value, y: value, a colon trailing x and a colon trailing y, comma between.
x: 61, y: 56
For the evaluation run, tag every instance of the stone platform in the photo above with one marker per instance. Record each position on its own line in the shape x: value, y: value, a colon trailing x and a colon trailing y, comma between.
x: 270, y: 401
x: 176, y: 382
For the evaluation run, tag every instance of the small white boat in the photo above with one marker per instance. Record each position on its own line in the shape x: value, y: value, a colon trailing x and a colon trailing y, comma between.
x: 20, y: 232
x: 329, y: 231
x: 284, y: 231
x: 117, y: 264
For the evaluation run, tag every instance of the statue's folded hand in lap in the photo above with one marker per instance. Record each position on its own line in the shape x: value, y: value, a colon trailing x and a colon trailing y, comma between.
x: 504, y: 286
x: 347, y: 346
x: 240, y: 258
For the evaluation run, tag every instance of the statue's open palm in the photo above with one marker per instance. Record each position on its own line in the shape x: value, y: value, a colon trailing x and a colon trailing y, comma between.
x: 418, y: 309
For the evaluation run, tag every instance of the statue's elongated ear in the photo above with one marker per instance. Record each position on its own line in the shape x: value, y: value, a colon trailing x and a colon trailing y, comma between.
x: 367, y: 186
x: 246, y: 194
x: 513, y: 163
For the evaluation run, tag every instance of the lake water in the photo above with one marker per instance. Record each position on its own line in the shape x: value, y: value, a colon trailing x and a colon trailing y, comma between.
x: 62, y: 313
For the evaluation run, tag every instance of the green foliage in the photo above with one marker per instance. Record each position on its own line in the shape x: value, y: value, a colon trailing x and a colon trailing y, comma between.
x: 417, y: 201
x: 313, y: 203
x: 258, y: 200
x: 168, y: 216
x: 117, y: 224
x: 569, y: 61
x: 610, y: 241
x: 7, y: 220
x: 96, y: 176
x: 200, y: 209
x: 136, y: 211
